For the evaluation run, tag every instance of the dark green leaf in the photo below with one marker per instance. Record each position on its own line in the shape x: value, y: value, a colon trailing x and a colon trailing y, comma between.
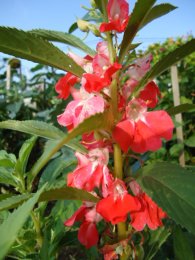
x: 167, y: 61
x: 67, y: 193
x: 140, y: 11
x: 156, y: 12
x: 157, y: 238
x: 14, y: 223
x: 63, y: 37
x: 172, y: 188
x: 190, y: 141
x: 72, y: 28
x: 181, y: 109
x: 28, y: 46
x: 182, y: 248
x: 13, y: 201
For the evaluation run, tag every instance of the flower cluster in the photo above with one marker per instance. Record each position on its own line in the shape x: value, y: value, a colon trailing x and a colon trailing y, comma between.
x: 136, y: 129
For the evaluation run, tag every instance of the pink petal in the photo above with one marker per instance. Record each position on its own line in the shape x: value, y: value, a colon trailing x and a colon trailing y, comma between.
x: 77, y: 216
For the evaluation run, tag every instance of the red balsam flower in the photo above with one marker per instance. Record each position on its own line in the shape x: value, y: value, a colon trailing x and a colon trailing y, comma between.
x: 118, y: 15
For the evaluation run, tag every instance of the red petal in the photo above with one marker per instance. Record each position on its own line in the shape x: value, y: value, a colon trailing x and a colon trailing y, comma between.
x: 123, y: 134
x: 88, y: 234
x: 77, y: 216
x: 116, y: 210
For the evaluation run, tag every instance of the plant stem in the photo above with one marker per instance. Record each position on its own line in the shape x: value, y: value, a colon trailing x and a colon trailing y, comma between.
x: 118, y: 173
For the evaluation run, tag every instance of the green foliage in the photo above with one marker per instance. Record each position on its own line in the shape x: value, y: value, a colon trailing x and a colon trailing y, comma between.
x: 14, y: 223
x: 167, y: 61
x: 26, y: 45
x: 140, y: 11
x: 172, y: 188
x: 156, y: 239
x: 64, y: 38
x: 156, y: 12
x: 182, y: 248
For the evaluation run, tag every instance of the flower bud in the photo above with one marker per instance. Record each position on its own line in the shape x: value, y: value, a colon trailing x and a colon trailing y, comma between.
x: 93, y: 4
x: 94, y: 30
x: 83, y: 25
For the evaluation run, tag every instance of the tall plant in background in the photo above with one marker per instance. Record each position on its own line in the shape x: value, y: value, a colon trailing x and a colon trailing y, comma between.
x: 114, y: 111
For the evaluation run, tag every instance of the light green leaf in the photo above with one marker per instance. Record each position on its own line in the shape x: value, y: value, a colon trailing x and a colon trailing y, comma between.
x: 13, y: 201
x: 41, y: 129
x: 7, y: 177
x: 157, y: 238
x: 181, y: 109
x: 14, y: 223
x: 31, y: 47
x: 24, y: 154
x: 167, y: 61
x: 63, y: 37
x: 139, y: 13
x: 182, y: 248
x: 67, y: 193
x: 156, y: 12
x: 172, y: 188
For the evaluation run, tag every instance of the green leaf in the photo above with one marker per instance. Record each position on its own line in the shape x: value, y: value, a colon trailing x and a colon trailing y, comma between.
x: 176, y: 150
x: 24, y: 153
x: 54, y: 169
x: 28, y: 46
x: 182, y: 248
x: 41, y: 129
x: 95, y: 122
x: 33, y: 127
x: 13, y: 201
x: 167, y: 61
x: 67, y: 193
x: 156, y: 12
x: 7, y: 177
x: 157, y: 238
x: 63, y: 37
x: 140, y: 11
x: 14, y: 223
x: 181, y: 109
x: 190, y: 141
x: 172, y: 188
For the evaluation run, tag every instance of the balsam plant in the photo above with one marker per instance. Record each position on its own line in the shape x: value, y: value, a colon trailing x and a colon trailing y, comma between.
x: 114, y: 112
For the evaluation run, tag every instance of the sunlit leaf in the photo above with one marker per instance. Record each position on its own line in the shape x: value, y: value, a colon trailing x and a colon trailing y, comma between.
x: 31, y: 47
x: 140, y: 11
x: 156, y: 12
x: 63, y: 37
x: 13, y: 201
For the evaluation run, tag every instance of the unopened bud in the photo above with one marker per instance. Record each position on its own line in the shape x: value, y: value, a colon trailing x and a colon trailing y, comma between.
x: 93, y: 4
x: 94, y: 30
x: 83, y: 25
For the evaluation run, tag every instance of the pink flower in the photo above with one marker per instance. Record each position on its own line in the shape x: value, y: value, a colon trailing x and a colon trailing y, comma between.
x: 150, y: 214
x: 118, y: 15
x: 140, y: 67
x: 142, y: 131
x: 117, y: 204
x: 78, y: 110
x: 91, y: 171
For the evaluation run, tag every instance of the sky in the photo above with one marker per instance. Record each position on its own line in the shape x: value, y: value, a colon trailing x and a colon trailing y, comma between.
x: 60, y: 14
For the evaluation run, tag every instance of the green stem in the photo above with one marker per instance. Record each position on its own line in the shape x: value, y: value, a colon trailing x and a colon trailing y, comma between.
x: 38, y: 229
x: 118, y: 173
